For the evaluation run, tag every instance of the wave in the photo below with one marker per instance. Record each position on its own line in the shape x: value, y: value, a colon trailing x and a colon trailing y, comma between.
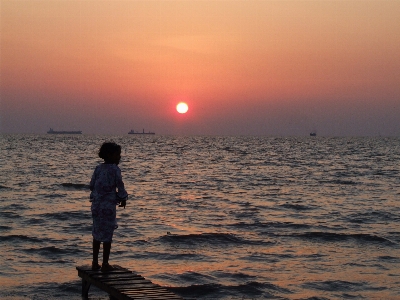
x: 233, y: 276
x: 388, y: 173
x: 55, y: 196
x: 195, y: 277
x: 315, y: 298
x: 206, y: 238
x: 9, y: 215
x: 47, y: 291
x: 371, y: 217
x: 66, y: 215
x: 263, y: 225
x: 21, y: 238
x: 67, y: 288
x: 296, y: 206
x: 168, y: 256
x: 34, y: 221
x: 52, y: 251
x: 339, y: 181
x: 197, y: 290
x: 268, y: 258
x: 78, y: 186
x: 388, y: 258
x: 340, y: 237
x: 252, y: 289
x: 339, y: 285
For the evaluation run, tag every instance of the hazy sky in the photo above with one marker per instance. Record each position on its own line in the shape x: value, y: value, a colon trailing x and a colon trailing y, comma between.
x: 248, y: 67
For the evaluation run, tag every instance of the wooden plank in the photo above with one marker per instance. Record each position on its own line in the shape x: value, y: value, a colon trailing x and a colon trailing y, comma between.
x: 138, y: 286
x: 149, y: 292
x: 152, y: 297
x: 133, y: 278
x: 123, y: 284
x: 143, y: 296
x: 143, y: 289
x: 114, y: 276
x: 133, y: 285
x: 114, y: 273
x: 126, y: 281
x: 117, y: 270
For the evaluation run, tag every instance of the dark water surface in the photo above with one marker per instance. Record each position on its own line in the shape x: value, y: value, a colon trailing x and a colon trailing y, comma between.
x: 210, y: 217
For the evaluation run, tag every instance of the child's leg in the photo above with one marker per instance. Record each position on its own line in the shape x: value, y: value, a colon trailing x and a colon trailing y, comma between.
x: 96, y: 249
x: 106, y: 252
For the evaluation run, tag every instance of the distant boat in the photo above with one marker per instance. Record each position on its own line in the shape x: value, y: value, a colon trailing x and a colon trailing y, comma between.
x: 138, y: 132
x: 51, y: 131
x: 313, y: 134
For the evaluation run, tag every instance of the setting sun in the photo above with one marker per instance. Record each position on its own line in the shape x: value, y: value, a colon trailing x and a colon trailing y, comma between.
x: 182, y: 108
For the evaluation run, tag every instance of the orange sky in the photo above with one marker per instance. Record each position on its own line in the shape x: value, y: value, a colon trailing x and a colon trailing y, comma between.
x: 244, y: 67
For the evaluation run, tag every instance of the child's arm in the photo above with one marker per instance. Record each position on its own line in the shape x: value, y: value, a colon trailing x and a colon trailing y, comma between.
x: 93, y: 180
x: 122, y: 204
x: 122, y: 195
x: 91, y: 185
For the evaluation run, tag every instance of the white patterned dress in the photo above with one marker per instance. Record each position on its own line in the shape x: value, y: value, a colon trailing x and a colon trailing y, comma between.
x: 107, y: 191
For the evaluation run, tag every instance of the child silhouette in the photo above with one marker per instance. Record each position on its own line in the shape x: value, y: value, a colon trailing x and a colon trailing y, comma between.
x: 107, y: 192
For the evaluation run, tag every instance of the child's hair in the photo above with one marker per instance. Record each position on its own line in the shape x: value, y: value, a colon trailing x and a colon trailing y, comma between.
x: 108, y: 149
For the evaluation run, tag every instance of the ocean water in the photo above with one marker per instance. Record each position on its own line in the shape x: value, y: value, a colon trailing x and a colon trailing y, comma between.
x: 208, y: 217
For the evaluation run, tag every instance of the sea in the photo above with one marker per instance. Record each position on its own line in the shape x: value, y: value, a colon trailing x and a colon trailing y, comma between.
x: 208, y: 217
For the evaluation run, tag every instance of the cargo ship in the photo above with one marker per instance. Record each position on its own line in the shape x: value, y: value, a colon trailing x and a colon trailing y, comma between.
x: 138, y: 132
x: 51, y: 131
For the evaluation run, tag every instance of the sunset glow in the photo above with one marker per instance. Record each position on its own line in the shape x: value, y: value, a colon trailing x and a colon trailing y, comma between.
x: 182, y: 108
x: 254, y: 67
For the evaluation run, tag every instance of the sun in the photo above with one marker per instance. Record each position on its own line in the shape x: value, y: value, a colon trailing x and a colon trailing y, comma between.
x: 182, y: 107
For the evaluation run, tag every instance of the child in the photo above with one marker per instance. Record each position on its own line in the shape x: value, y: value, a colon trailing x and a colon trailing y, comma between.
x: 107, y: 192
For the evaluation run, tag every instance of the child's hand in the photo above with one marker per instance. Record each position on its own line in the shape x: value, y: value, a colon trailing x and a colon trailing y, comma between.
x: 122, y: 204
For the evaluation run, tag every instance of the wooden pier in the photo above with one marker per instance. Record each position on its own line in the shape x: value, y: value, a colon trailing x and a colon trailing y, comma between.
x: 123, y: 284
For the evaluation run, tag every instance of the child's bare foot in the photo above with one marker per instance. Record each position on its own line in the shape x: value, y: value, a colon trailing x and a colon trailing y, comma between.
x: 107, y: 268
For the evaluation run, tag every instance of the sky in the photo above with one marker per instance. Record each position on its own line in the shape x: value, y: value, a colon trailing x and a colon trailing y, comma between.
x: 251, y: 67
